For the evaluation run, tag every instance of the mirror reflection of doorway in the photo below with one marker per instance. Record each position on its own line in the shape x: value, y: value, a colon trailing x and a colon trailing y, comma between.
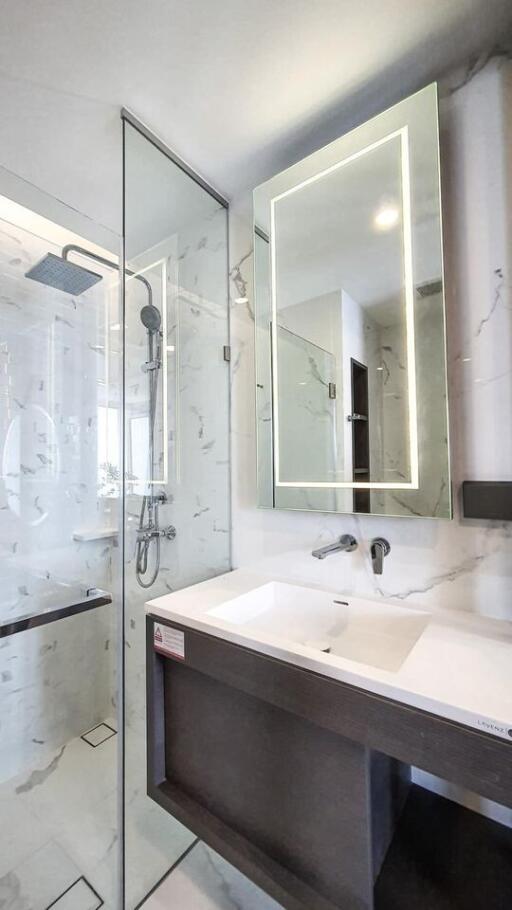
x: 360, y: 433
x: 307, y: 428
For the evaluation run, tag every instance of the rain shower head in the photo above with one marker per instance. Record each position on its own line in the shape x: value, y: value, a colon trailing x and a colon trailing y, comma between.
x: 60, y: 273
x: 150, y: 318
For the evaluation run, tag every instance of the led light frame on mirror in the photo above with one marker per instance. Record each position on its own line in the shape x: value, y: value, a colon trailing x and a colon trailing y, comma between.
x: 403, y: 135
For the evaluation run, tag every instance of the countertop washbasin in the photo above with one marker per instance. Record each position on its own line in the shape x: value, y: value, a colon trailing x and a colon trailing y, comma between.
x: 447, y: 662
x: 370, y: 632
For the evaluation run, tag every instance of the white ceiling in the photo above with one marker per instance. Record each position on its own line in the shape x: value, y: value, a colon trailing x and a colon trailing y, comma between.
x: 239, y: 88
x: 326, y: 239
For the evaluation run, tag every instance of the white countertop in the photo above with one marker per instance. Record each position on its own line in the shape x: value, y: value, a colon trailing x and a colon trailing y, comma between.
x: 460, y: 667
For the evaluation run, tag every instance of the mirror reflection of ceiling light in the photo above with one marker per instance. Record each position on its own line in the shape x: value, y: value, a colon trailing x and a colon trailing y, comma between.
x: 404, y: 211
x: 241, y: 300
x: 116, y: 327
x: 386, y: 217
x: 170, y: 348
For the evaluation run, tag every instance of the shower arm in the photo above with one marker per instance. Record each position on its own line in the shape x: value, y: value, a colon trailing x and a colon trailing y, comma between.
x: 74, y: 248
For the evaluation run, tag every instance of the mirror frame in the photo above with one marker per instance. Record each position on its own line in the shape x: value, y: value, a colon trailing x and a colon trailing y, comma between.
x: 408, y: 120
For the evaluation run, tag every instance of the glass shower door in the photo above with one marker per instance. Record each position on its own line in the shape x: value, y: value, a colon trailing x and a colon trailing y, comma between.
x: 176, y: 429
x: 59, y: 595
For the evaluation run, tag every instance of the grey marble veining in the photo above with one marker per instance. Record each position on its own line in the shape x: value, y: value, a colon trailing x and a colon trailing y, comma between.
x: 59, y: 831
x: 458, y: 564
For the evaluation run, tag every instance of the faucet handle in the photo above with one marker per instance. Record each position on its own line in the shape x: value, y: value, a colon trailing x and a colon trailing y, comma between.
x: 379, y: 548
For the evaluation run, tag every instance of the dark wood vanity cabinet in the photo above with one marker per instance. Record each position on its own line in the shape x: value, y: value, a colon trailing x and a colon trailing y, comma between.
x: 299, y: 780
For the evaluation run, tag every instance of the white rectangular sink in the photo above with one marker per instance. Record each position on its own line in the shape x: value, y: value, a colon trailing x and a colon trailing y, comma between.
x: 375, y: 633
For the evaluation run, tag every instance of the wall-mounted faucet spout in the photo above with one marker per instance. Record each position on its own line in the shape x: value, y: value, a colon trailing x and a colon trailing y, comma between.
x: 346, y: 543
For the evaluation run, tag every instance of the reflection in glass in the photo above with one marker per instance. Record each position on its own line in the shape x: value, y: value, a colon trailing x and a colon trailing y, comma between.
x: 339, y: 281
x: 58, y: 381
x: 176, y: 237
x: 348, y: 259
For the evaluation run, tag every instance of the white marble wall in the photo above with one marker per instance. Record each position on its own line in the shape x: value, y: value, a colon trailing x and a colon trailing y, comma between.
x: 457, y: 564
x: 197, y: 484
x: 433, y: 498
x: 55, y: 682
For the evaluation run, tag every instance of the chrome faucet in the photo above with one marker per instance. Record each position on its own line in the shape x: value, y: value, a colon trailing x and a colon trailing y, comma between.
x: 379, y: 548
x: 346, y: 542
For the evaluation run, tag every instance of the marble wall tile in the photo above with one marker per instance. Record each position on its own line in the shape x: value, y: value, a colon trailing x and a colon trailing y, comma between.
x: 457, y: 564
x: 197, y: 487
x: 58, y: 680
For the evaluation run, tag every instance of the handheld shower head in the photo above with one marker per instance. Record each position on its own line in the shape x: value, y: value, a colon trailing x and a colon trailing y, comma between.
x: 150, y: 318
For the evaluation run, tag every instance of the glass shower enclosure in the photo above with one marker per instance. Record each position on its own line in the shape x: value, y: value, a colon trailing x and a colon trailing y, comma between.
x: 176, y: 422
x: 60, y: 586
x: 114, y: 490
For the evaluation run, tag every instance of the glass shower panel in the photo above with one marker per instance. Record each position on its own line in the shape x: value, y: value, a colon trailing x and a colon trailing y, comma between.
x: 59, y: 496
x: 309, y: 372
x: 177, y: 509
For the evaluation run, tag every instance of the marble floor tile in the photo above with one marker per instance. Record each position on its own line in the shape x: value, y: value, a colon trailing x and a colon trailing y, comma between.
x: 90, y: 835
x: 22, y: 835
x: 154, y: 841
x: 79, y: 897
x: 69, y: 807
x: 205, y: 881
x: 104, y: 879
x: 38, y: 880
x: 11, y: 897
x: 77, y: 778
x: 62, y: 824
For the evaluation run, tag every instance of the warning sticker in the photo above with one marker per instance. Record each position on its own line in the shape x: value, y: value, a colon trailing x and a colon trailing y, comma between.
x: 169, y: 641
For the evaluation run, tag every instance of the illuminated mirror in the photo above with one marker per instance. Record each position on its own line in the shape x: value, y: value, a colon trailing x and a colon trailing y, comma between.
x: 350, y: 334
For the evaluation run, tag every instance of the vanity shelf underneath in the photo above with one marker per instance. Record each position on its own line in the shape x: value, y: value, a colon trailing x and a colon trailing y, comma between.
x: 445, y: 857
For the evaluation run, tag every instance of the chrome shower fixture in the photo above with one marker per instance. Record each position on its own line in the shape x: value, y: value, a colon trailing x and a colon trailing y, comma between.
x: 59, y: 273
x: 150, y: 318
x: 149, y: 530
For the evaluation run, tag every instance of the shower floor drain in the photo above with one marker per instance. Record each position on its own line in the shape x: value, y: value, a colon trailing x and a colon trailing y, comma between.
x: 98, y: 735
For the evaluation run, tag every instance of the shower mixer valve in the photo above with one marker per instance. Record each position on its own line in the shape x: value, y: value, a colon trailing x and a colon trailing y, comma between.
x: 144, y: 535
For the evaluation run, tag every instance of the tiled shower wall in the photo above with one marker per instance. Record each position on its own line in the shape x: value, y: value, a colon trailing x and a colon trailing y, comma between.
x: 55, y: 681
x: 196, y: 436
x: 459, y: 564
x: 197, y: 440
